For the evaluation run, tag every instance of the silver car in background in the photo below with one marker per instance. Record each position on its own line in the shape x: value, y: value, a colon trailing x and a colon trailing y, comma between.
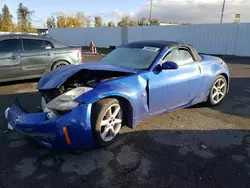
x: 29, y: 56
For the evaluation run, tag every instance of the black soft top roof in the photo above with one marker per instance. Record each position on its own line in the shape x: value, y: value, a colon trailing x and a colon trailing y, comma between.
x: 155, y: 43
x: 193, y: 50
x: 162, y: 44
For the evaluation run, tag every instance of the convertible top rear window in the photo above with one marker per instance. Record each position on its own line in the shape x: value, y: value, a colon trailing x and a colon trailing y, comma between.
x: 135, y: 56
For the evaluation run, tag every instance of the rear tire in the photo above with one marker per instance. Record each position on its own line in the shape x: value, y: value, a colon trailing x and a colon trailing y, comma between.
x: 106, y: 121
x: 218, y: 91
x: 59, y: 64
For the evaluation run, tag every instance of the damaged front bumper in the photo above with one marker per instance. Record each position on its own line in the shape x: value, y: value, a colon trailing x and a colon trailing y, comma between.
x: 69, y: 131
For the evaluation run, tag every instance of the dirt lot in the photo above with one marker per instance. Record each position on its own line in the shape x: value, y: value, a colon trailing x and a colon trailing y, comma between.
x: 194, y: 147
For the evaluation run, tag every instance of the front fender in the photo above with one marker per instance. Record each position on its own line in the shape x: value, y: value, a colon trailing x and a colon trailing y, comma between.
x: 133, y: 89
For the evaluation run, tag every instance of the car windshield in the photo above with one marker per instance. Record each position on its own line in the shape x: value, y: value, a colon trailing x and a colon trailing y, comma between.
x: 135, y: 57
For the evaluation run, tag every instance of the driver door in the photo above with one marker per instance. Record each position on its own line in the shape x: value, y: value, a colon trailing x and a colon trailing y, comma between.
x: 183, y: 83
x: 171, y: 89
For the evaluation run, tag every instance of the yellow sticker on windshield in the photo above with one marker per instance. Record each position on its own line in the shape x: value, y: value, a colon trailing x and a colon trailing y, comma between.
x: 150, y: 48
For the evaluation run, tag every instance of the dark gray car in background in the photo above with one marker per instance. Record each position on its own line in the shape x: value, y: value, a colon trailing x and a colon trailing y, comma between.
x: 30, y: 56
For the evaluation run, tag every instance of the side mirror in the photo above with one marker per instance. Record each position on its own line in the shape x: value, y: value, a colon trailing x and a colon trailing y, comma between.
x: 169, y: 65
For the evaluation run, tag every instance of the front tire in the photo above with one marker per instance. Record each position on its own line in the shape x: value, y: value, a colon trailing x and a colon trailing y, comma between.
x: 218, y: 91
x: 59, y: 64
x: 106, y: 121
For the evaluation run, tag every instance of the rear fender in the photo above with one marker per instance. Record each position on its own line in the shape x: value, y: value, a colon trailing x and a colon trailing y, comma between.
x: 210, y: 74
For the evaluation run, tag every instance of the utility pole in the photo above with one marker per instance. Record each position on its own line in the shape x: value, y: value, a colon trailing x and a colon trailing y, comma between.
x: 150, y: 11
x: 222, y: 12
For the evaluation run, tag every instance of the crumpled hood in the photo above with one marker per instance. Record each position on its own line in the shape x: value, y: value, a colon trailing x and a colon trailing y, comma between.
x: 57, y: 77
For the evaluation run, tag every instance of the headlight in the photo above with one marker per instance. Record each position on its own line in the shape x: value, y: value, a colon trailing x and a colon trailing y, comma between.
x: 66, y: 101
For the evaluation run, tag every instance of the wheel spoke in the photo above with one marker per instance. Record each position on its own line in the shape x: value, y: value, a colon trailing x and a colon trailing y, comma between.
x: 222, y: 86
x: 217, y: 97
x: 222, y: 94
x: 214, y: 95
x: 214, y: 89
x: 113, y: 131
x: 219, y: 82
x: 104, y: 133
x: 117, y: 109
x: 104, y: 122
x: 117, y: 128
x: 109, y: 112
x: 118, y: 121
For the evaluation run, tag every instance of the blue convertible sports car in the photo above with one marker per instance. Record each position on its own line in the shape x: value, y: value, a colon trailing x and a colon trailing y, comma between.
x: 87, y: 104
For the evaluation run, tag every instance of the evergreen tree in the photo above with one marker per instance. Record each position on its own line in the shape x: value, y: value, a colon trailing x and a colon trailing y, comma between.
x: 6, y: 19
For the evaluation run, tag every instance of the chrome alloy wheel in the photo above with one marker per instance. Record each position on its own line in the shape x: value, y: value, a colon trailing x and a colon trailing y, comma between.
x: 111, y: 123
x: 218, y: 90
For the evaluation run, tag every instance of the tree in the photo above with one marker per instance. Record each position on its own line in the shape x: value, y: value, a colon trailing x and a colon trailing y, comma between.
x: 24, y: 18
x: 111, y: 24
x: 6, y: 19
x: 132, y: 22
x: 124, y: 22
x: 98, y: 21
x: 51, y: 22
x: 15, y: 28
x: 71, y: 21
x: 154, y: 21
x: 186, y: 23
x: 1, y: 25
x: 142, y: 21
x: 80, y: 20
x: 61, y: 22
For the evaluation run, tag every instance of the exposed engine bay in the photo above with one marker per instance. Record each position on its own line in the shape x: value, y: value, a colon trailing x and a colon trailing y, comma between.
x: 83, y: 78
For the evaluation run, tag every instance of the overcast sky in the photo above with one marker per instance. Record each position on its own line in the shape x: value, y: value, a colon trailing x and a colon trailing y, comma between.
x: 193, y: 11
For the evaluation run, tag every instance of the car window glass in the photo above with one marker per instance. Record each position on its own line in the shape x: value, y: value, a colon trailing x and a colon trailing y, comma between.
x: 184, y: 57
x: 48, y: 45
x: 172, y: 56
x: 10, y: 45
x: 57, y: 44
x: 179, y: 56
x: 138, y: 58
x: 31, y: 44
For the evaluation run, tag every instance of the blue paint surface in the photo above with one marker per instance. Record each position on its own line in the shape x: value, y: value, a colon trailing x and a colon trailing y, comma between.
x: 49, y: 133
x: 148, y: 92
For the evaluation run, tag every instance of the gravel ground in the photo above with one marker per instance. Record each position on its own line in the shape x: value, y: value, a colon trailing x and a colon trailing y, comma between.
x: 194, y: 147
